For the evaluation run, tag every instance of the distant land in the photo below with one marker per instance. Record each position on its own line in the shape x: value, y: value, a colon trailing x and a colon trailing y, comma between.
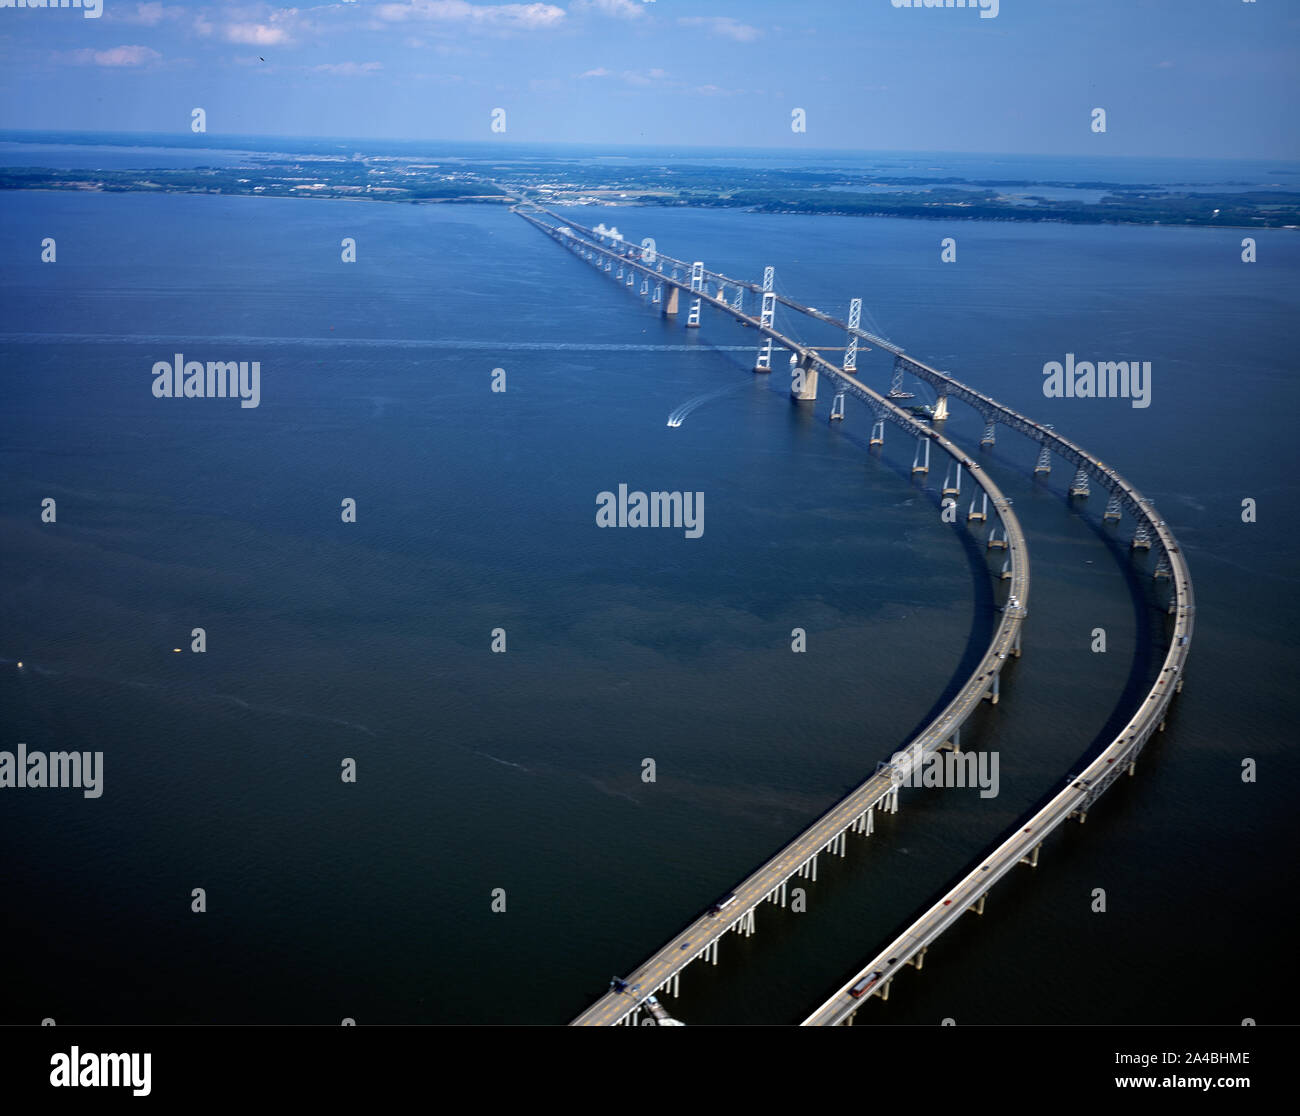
x: 328, y: 169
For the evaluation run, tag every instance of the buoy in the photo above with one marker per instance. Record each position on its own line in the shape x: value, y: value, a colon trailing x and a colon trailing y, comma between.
x: 20, y: 666
x: 176, y: 649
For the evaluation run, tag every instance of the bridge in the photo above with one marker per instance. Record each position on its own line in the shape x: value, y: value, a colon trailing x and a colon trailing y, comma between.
x: 663, y: 280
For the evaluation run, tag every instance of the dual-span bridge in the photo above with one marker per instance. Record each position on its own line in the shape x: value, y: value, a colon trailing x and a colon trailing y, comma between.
x: 663, y: 280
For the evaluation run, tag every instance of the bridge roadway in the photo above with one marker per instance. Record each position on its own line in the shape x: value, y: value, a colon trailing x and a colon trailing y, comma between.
x: 1074, y: 801
x: 698, y: 940
x: 1022, y: 847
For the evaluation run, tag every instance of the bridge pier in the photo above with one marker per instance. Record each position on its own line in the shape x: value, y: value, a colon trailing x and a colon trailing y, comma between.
x: 1032, y: 858
x: 992, y: 696
x: 884, y: 991
x: 918, y: 962
x: 951, y: 488
x: 995, y: 543
x: 1113, y: 508
x: 850, y: 364
x: 978, y: 908
x: 693, y: 318
x: 896, y: 384
x: 983, y: 514
x: 670, y: 307
x: 1015, y: 647
x: 920, y: 465
x: 1079, y: 486
x: 877, y: 432
x: 837, y: 408
x: 941, y: 408
x: 990, y: 431
x: 1141, y: 537
x: 1044, y: 460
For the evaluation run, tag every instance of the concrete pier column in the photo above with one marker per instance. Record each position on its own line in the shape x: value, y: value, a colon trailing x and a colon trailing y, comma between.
x: 952, y: 487
x: 670, y: 307
x: 978, y: 908
x: 884, y: 992
x: 941, y: 408
x: 921, y: 459
x: 992, y: 695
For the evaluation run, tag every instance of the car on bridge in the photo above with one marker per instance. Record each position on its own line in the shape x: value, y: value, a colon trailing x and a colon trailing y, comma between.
x: 865, y: 984
x: 722, y: 904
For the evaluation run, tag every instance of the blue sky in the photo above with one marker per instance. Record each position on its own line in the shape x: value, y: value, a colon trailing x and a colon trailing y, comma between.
x: 1211, y: 78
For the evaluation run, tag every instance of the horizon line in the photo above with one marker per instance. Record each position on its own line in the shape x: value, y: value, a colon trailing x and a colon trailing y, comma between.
x: 207, y: 139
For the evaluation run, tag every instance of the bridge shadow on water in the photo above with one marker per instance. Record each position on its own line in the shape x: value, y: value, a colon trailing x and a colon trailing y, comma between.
x: 1151, y: 635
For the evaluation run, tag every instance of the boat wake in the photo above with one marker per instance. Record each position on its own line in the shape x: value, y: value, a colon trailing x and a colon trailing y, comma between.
x: 679, y: 416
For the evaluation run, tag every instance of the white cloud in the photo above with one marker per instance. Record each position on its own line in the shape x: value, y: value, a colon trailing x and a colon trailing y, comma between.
x: 619, y: 9
x: 149, y: 15
x: 599, y: 71
x: 723, y: 26
x: 347, y: 69
x: 115, y: 56
x: 255, y: 34
x: 504, y: 17
x: 643, y: 77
